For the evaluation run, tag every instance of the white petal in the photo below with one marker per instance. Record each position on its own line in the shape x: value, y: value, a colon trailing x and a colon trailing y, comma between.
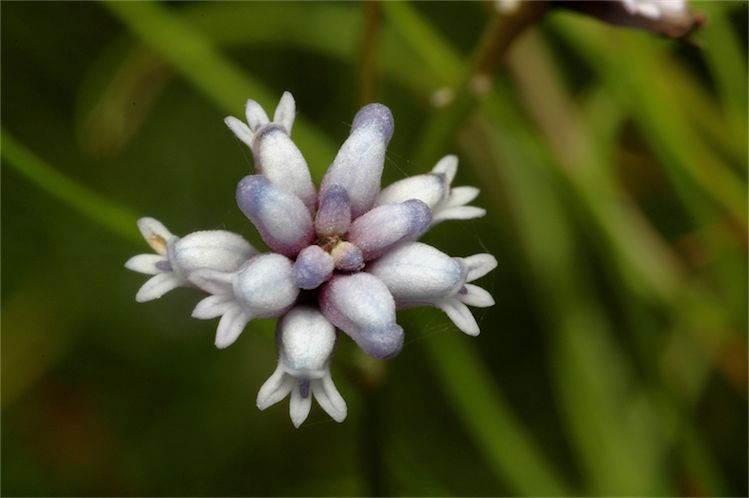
x: 230, y: 326
x: 212, y: 281
x: 460, y: 315
x: 305, y: 340
x: 458, y: 213
x: 479, y: 265
x: 285, y: 112
x: 429, y: 189
x: 447, y: 166
x: 417, y: 273
x: 240, y: 129
x: 329, y: 398
x: 299, y: 407
x: 157, y: 286
x: 155, y: 234
x: 145, y: 263
x: 475, y: 296
x: 256, y: 116
x: 276, y: 388
x: 460, y: 196
x: 278, y: 159
x: 265, y: 286
x: 212, y: 307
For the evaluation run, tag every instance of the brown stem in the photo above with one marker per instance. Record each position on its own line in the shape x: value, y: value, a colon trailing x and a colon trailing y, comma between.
x: 368, y: 51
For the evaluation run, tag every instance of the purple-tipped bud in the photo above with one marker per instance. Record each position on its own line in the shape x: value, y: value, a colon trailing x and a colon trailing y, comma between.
x: 358, y: 164
x: 334, y: 213
x: 381, y: 228
x: 313, y: 266
x: 279, y: 160
x: 361, y: 306
x: 376, y: 116
x: 281, y: 217
x: 347, y: 257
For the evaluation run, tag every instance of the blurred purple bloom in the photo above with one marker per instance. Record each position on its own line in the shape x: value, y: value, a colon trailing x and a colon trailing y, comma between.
x: 351, y: 249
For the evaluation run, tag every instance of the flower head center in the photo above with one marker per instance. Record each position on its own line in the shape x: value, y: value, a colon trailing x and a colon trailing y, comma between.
x: 329, y: 242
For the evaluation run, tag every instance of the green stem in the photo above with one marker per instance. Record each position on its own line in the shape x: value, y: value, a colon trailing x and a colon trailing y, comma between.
x: 87, y: 202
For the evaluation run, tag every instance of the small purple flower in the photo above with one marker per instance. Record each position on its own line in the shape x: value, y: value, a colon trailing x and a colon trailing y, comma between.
x: 351, y: 248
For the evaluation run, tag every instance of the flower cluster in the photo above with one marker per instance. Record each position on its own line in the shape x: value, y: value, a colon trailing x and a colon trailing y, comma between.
x: 345, y: 257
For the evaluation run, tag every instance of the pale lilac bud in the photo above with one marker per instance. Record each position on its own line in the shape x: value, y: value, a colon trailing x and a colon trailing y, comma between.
x: 381, y: 228
x: 358, y: 165
x: 313, y: 266
x: 280, y: 216
x: 279, y: 160
x: 265, y: 285
x: 347, y: 257
x: 360, y: 305
x: 334, y: 214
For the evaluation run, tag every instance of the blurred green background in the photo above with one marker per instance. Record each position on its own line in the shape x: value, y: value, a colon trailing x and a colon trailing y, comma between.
x: 613, y: 165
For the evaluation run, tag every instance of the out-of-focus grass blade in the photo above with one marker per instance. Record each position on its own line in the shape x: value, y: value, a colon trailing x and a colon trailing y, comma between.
x: 425, y: 42
x: 576, y: 141
x: 544, y: 227
x: 198, y: 60
x: 332, y: 29
x: 648, y: 266
x: 580, y: 355
x: 629, y: 73
x: 499, y: 435
x: 706, y: 114
x: 505, y: 443
x: 327, y: 29
x: 92, y: 205
x: 723, y: 53
x: 593, y: 378
x: 34, y: 336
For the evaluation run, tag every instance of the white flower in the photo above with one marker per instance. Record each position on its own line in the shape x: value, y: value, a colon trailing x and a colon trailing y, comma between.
x: 305, y: 345
x: 434, y: 190
x: 176, y: 258
x: 345, y: 257
x: 417, y: 274
x: 262, y: 288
